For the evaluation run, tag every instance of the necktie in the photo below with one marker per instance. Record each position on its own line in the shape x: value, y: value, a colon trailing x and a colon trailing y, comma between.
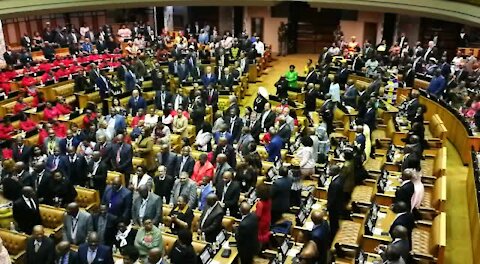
x: 118, y: 153
x: 37, y: 246
x: 32, y: 204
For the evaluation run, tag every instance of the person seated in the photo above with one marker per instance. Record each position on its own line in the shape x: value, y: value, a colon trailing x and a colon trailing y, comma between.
x: 50, y: 112
x: 62, y: 107
x: 209, y: 77
x: 151, y: 118
x: 61, y: 73
x: 148, y: 237
x: 28, y: 81
x: 48, y: 76
x: 140, y: 116
x: 202, y: 168
x: 181, y: 216
x: 27, y: 124
x: 6, y: 129
x: 183, y: 251
x: 20, y: 105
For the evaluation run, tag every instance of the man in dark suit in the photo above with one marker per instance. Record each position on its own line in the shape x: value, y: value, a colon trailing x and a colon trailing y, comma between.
x: 40, y: 249
x: 312, y: 76
x: 94, y: 253
x: 211, y: 95
x: 229, y: 193
x: 23, y: 175
x: 119, y: 200
x: 40, y: 177
x: 185, y: 162
x: 162, y: 99
x: 284, y: 130
x: 311, y: 98
x: 226, y: 81
x: 211, y: 218
x: 64, y: 255
x: 57, y: 161
x: 104, y: 86
x: 343, y: 76
x: 168, y: 159
x: 265, y: 121
x: 105, y: 149
x: 403, y: 218
x: 370, y: 117
x: 97, y: 170
x: 223, y: 147
x: 412, y: 105
x: 122, y: 157
x: 222, y: 167
x: 26, y: 42
x: 247, y: 235
x: 48, y: 51
x: 405, y: 192
x: 326, y: 111
x: 163, y: 183
x: 26, y: 211
x: 335, y: 199
x: 321, y: 235
x: 235, y: 124
x: 136, y: 102
x: 182, y: 71
x: 22, y: 152
x: 179, y: 101
x: 10, y: 57
x: 69, y: 141
x: 76, y: 224
x: 77, y: 174
x: 430, y: 52
x: 409, y: 76
x: 402, y: 39
x: 399, y: 243
x: 280, y: 194
x: 324, y: 83
x: 81, y: 82
x: 410, y: 159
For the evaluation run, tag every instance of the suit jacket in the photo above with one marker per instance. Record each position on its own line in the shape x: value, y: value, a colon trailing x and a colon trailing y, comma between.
x: 189, y: 190
x: 62, y: 164
x: 212, y: 224
x: 227, y: 81
x: 103, y: 85
x: 162, y: 104
x: 280, y: 201
x: 45, y: 254
x: 211, y: 98
x: 412, y: 108
x: 135, y: 105
x: 105, y: 151
x: 182, y: 72
x: 153, y: 209
x: 206, y: 80
x: 126, y: 155
x: 321, y: 236
x: 247, y: 235
x: 231, y: 196
x: 26, y: 217
x: 404, y: 193
x: 402, y: 246
x: 370, y: 119
x: 100, y: 176
x: 219, y: 170
x: 410, y: 161
x: 10, y: 59
x: 103, y: 256
x: 188, y: 166
x: 77, y: 173
x: 122, y: 209
x: 285, y: 132
x: 237, y: 128
x: 63, y: 144
x: 130, y: 81
x: 84, y: 225
x: 343, y: 76
x: 25, y: 155
x: 229, y: 151
x: 163, y: 188
x: 404, y: 219
x: 72, y: 258
x: 39, y: 184
x: 335, y: 202
x: 183, y: 103
x: 311, y: 100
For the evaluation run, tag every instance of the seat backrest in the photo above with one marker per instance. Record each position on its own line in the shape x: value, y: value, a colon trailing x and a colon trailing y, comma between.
x: 228, y: 222
x: 87, y: 197
x: 439, y: 195
x: 438, y: 237
x: 198, y: 246
x: 390, y: 129
x: 112, y: 174
x: 52, y: 217
x: 64, y: 90
x: 137, y: 161
x: 262, y: 152
x: 13, y: 242
x: 168, y: 242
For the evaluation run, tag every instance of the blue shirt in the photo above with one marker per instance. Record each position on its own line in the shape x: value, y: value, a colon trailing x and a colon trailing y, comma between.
x: 437, y: 85
x: 274, y: 148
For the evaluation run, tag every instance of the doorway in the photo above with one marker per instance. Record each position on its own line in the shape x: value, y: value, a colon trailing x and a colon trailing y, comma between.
x: 257, y: 26
x: 370, y: 32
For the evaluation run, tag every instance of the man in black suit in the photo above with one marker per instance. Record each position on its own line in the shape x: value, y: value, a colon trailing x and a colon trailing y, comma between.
x: 179, y: 101
x: 26, y: 42
x: 224, y: 147
x: 226, y: 80
x: 97, y: 172
x: 311, y: 98
x: 64, y: 255
x: 77, y: 164
x: 23, y: 175
x: 403, y: 218
x: 399, y: 243
x: 105, y: 149
x: 412, y: 105
x: 168, y: 159
x: 229, y: 193
x: 402, y: 39
x: 94, y: 253
x: 321, y: 235
x: 410, y: 159
x: 263, y: 122
x: 324, y: 83
x: 211, y: 218
x: 119, y: 200
x: 40, y: 249
x: 212, y: 97
x: 163, y: 183
x: 82, y: 82
x: 122, y: 157
x: 184, y: 163
x: 430, y: 52
x: 409, y: 76
x: 335, y: 199
x: 312, y: 76
x: 40, y: 177
x: 10, y: 57
x: 370, y: 117
x: 247, y: 235
x: 162, y: 98
x: 280, y: 191
x: 284, y: 130
x: 235, y: 124
x: 26, y: 211
x: 343, y: 76
x: 22, y: 152
x: 326, y: 111
x: 405, y: 191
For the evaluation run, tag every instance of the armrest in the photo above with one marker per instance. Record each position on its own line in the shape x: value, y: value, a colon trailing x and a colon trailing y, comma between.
x: 421, y: 256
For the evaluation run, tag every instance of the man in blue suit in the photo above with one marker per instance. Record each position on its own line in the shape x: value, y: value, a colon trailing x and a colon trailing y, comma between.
x: 105, y: 87
x: 223, y: 133
x: 437, y: 84
x: 275, y: 146
x: 119, y: 200
x: 57, y: 161
x: 130, y: 80
x: 280, y: 194
x: 94, y: 253
x: 136, y: 102
x: 321, y: 235
x: 206, y: 189
x: 209, y: 77
x: 182, y: 71
x: 69, y: 141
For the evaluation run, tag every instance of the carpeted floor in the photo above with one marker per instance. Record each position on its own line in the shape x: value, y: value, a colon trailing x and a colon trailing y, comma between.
x: 459, y: 247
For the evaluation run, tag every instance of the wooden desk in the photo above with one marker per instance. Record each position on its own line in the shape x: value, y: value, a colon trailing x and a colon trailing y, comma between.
x: 291, y: 253
x: 382, y: 226
x: 218, y: 257
x: 386, y: 198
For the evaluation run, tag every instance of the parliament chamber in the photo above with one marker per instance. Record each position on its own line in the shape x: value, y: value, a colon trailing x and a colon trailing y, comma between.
x: 286, y: 132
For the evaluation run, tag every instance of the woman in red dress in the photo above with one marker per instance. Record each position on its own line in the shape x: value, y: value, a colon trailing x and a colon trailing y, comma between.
x: 263, y: 212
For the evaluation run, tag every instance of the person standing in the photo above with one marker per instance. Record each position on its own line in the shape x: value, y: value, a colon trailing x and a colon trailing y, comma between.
x: 76, y: 224
x: 247, y: 235
x: 40, y: 249
x: 282, y: 40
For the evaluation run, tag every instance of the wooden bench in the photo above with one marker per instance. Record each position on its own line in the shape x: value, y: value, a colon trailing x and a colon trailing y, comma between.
x: 347, y: 240
x: 112, y: 175
x: 16, y: 244
x: 52, y: 220
x: 84, y: 98
x: 7, y: 108
x: 434, y: 199
x: 438, y: 132
x: 87, y: 198
x: 429, y: 240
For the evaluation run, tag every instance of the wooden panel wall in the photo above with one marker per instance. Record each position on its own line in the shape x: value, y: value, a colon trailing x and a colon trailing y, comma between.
x: 14, y: 28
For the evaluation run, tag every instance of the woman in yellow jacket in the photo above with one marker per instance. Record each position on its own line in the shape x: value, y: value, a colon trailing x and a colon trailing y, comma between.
x: 144, y: 148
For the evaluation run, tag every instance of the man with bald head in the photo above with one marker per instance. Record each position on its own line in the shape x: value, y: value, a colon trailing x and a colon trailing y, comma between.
x: 228, y: 193
x: 119, y: 200
x: 247, y: 234
x: 405, y: 192
x: 40, y: 249
x: 321, y: 235
x: 211, y: 218
x: 64, y: 255
x: 92, y: 252
x: 155, y: 256
x: 104, y: 147
x: 224, y: 147
x: 122, y: 157
x: 76, y: 224
x: 77, y: 164
x: 400, y: 244
x: 69, y: 141
x: 23, y: 175
x: 222, y: 167
x: 26, y: 211
x: 147, y: 205
x: 167, y: 158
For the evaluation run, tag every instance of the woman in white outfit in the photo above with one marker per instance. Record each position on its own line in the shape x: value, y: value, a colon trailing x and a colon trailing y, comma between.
x: 306, y: 156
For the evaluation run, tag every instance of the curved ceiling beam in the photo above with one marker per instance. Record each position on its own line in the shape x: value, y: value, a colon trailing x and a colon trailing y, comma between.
x: 441, y: 9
